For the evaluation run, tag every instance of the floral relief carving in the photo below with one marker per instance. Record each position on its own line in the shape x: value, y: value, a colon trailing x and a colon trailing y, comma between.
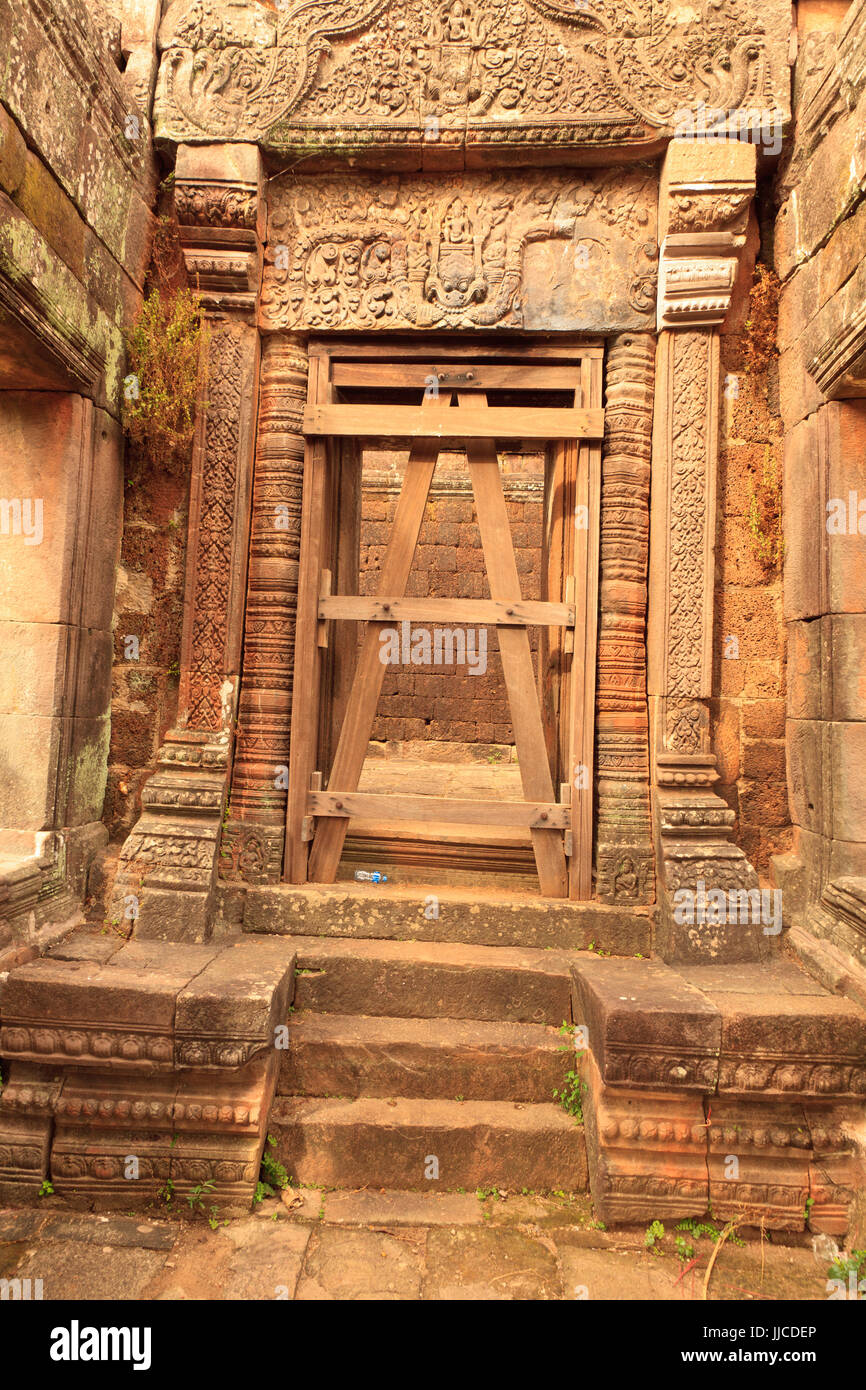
x: 237, y: 69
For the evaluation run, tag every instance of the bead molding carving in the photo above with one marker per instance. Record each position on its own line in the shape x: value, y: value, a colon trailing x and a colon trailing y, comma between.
x: 512, y: 72
x: 624, y: 854
x: 251, y: 849
x: 547, y: 251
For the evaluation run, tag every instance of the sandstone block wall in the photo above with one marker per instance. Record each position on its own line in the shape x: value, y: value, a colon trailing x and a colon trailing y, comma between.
x: 77, y: 183
x: 446, y: 703
x: 820, y: 255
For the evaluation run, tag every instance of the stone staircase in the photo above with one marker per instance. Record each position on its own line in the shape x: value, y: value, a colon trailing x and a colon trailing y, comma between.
x: 427, y: 1065
x: 387, y: 1046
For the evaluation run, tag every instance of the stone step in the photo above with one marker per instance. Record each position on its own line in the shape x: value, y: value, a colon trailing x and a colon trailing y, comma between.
x: 402, y: 912
x: 420, y: 979
x: 393, y: 1143
x: 451, y: 1059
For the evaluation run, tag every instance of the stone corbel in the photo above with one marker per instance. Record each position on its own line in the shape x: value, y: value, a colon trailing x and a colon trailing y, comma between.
x: 167, y: 873
x: 705, y: 195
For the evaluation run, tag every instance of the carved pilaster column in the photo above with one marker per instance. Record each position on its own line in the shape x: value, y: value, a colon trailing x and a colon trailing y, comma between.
x: 624, y: 851
x: 168, y: 864
x: 705, y: 195
x: 252, y: 843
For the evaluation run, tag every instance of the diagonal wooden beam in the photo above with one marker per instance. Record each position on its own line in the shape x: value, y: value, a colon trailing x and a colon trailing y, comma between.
x: 498, y: 547
x: 370, y: 671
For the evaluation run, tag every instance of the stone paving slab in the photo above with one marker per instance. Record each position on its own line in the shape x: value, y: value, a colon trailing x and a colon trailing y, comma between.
x: 391, y: 1246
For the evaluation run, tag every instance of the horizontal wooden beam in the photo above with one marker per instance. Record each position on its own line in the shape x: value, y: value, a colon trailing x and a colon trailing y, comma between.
x: 432, y: 421
x: 537, y: 815
x: 465, y: 611
x: 470, y: 376
x: 567, y: 348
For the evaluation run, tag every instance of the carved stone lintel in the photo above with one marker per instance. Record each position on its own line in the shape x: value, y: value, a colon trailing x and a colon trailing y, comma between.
x: 546, y: 250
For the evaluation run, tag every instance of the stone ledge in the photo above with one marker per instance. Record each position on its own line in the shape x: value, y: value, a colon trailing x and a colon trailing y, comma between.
x: 142, y: 1069
x: 740, y: 1089
x: 149, y: 1006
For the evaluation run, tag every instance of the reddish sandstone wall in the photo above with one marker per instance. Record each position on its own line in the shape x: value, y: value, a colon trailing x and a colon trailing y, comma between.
x: 446, y: 703
x: 749, y: 709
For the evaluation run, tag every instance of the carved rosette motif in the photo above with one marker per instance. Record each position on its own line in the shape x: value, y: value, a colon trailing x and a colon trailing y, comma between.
x: 476, y: 251
x: 624, y: 855
x: 252, y: 842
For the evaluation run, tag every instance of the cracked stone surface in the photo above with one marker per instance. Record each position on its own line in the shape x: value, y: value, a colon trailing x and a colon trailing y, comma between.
x: 393, y: 1246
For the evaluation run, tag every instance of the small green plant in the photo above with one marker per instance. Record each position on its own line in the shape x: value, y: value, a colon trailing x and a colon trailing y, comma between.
x: 273, y: 1176
x: 845, y: 1265
x: 482, y: 1193
x: 684, y: 1249
x: 699, y: 1229
x: 654, y: 1233
x: 196, y: 1195
x: 166, y: 1192
x: 569, y: 1095
x: 47, y: 1188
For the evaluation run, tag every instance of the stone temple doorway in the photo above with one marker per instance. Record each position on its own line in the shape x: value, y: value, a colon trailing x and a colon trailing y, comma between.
x: 471, y: 399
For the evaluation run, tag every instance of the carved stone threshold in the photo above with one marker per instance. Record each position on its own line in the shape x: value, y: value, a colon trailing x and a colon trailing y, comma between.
x: 139, y: 1072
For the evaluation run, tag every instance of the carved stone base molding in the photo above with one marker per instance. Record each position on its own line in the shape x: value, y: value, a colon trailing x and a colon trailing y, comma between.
x: 139, y: 1072
x: 736, y: 1089
x: 169, y: 862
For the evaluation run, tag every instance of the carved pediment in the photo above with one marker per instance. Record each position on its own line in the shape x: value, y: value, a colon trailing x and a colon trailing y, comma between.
x: 342, y: 75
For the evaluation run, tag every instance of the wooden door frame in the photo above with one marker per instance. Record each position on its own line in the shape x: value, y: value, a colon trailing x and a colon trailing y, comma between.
x: 577, y: 478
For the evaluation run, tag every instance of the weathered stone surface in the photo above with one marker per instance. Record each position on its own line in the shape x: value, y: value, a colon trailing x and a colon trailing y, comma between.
x: 646, y: 1151
x: 501, y: 919
x: 647, y: 1027
x: 426, y: 980
x: 848, y: 657
x: 805, y: 591
x: 847, y: 758
x: 90, y: 1014
x: 346, y: 1265
x: 808, y: 658
x: 330, y: 1054
x: 228, y: 1011
x: 548, y: 251
x: 758, y: 1160
x: 490, y: 1265
x: 387, y: 1143
x: 266, y: 1263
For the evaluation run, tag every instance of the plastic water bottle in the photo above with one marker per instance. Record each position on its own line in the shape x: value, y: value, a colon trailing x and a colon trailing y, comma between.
x: 367, y: 877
